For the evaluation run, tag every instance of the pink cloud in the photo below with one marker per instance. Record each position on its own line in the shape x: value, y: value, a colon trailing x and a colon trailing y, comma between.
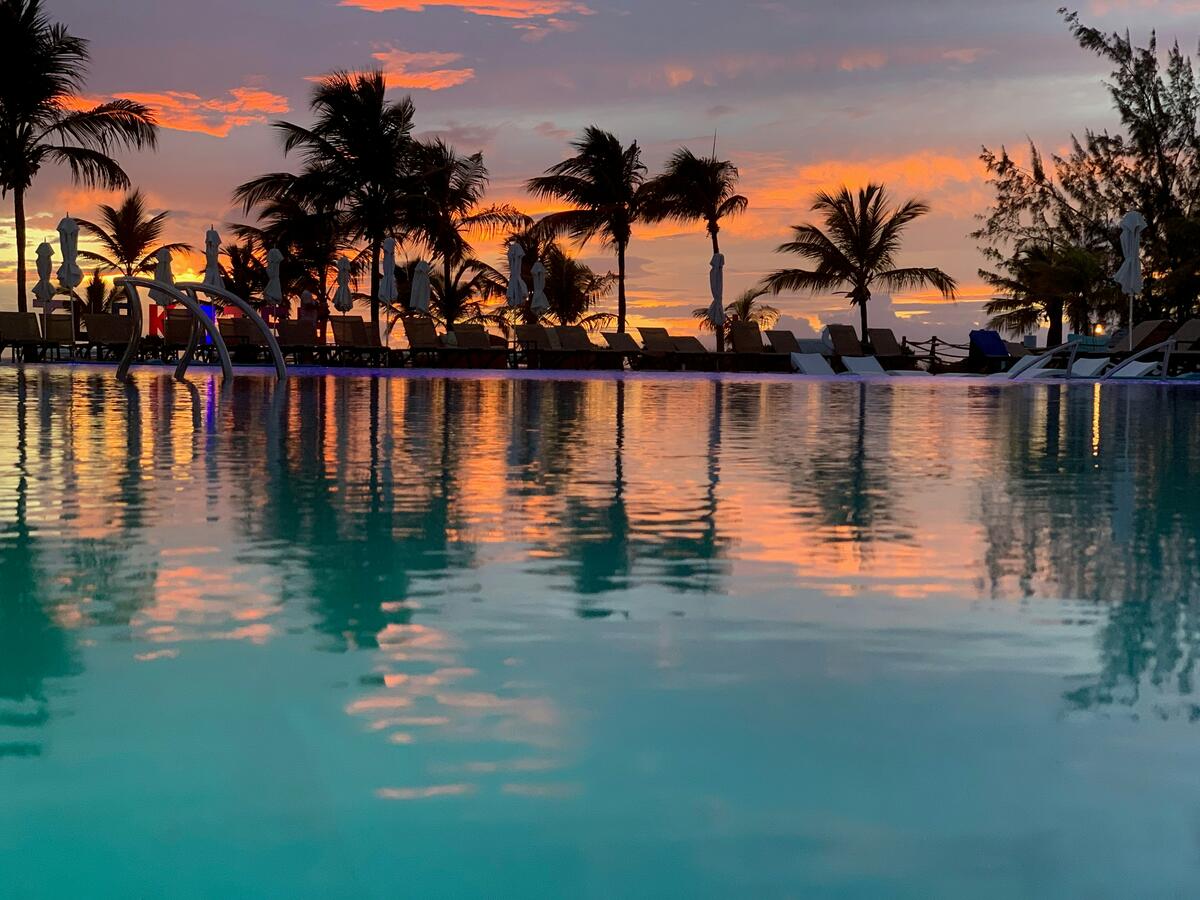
x: 214, y: 116
x: 500, y: 9
x: 419, y: 71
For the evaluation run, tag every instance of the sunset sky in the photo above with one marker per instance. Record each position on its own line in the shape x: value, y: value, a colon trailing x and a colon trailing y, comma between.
x: 801, y: 95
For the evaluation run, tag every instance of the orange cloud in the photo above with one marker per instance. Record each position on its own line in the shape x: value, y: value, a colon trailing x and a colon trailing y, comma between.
x: 500, y: 9
x: 418, y: 71
x: 185, y: 111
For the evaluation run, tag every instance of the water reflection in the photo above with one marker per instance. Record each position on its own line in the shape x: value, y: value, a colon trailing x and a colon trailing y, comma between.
x: 355, y: 511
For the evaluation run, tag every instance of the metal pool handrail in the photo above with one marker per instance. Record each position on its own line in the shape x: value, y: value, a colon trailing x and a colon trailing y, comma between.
x: 131, y: 284
x: 225, y: 296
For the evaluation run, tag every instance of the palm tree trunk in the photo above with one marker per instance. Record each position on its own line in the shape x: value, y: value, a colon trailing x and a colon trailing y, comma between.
x: 447, y: 304
x: 862, y: 312
x: 19, y: 215
x: 376, y: 250
x: 719, y: 329
x: 1054, y: 335
x: 621, y: 287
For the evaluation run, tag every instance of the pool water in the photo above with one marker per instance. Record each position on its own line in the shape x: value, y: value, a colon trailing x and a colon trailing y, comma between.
x: 641, y: 637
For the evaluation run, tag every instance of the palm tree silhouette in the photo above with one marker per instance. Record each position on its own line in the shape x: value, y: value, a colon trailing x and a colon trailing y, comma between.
x: 447, y: 208
x: 1042, y: 283
x: 128, y: 237
x: 857, y: 249
x: 694, y: 188
x: 745, y: 308
x: 606, y: 182
x: 44, y: 120
x: 309, y: 231
x: 244, y: 272
x: 460, y: 298
x: 357, y: 156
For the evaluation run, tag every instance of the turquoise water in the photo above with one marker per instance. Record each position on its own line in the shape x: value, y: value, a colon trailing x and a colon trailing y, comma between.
x: 670, y: 637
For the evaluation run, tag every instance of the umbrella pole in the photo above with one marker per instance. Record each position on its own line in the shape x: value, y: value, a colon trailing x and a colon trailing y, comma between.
x: 1131, y: 323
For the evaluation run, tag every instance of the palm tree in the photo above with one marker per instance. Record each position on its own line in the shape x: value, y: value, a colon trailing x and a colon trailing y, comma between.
x: 573, y: 290
x: 605, y: 182
x: 446, y: 209
x: 695, y: 188
x: 128, y: 238
x: 1044, y: 284
x: 357, y: 157
x: 308, y: 231
x: 244, y: 273
x: 856, y: 250
x: 44, y: 120
x: 95, y: 293
x: 745, y: 308
x: 460, y: 297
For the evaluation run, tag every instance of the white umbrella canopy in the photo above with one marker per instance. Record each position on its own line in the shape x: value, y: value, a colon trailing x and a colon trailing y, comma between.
x: 518, y: 290
x: 44, y: 290
x: 388, y: 292
x: 418, y: 299
x: 540, y: 302
x: 70, y: 276
x: 163, y: 274
x: 343, y: 300
x: 212, y: 259
x: 273, y: 292
x: 716, y: 283
x: 1129, y: 276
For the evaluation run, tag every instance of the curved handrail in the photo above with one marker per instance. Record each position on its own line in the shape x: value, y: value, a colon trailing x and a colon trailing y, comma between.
x: 1168, y: 345
x: 1071, y: 346
x: 227, y: 296
x: 131, y: 284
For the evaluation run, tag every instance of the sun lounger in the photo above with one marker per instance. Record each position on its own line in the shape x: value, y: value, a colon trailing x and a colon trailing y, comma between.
x: 575, y: 338
x: 541, y: 349
x: 810, y: 364
x: 843, y: 339
x: 356, y: 342
x: 108, y: 334
x: 477, y: 351
x: 988, y: 353
x: 863, y: 365
x: 889, y: 352
x: 20, y: 333
x: 298, y: 340
x: 623, y: 343
x: 749, y: 353
x: 60, y: 335
x: 693, y: 356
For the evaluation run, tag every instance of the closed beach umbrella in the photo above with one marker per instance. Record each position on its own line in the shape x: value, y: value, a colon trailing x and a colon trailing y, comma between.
x: 273, y: 292
x: 163, y: 275
x: 518, y: 290
x: 716, y: 283
x: 69, y: 274
x: 44, y: 290
x: 343, y: 300
x: 419, y: 296
x: 540, y: 302
x: 1129, y: 276
x: 212, y: 259
x: 388, y: 292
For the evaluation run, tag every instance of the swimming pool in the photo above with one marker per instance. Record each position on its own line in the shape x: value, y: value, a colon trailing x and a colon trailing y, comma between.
x: 687, y: 637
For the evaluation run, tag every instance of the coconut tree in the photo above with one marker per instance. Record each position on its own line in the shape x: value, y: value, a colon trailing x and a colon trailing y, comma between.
x: 127, y: 237
x: 244, y: 272
x: 43, y: 120
x: 446, y: 209
x: 309, y: 230
x: 605, y: 182
x: 856, y: 250
x: 694, y: 188
x: 573, y: 290
x: 95, y: 293
x: 1044, y: 284
x: 460, y: 298
x: 356, y: 155
x: 746, y: 308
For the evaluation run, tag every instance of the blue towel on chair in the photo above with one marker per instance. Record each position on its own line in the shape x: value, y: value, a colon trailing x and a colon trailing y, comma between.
x: 989, y: 343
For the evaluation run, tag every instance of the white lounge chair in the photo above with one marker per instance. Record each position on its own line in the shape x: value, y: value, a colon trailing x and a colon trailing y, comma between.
x: 863, y: 365
x: 1135, y: 369
x: 811, y: 364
